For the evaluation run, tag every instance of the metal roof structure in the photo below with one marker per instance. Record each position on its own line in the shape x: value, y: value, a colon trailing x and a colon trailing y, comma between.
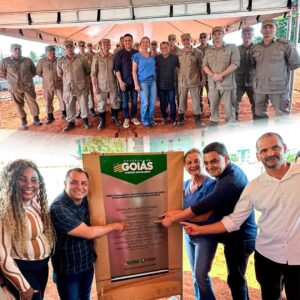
x: 53, y: 21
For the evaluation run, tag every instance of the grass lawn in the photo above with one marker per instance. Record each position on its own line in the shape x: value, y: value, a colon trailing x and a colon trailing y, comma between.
x: 219, y: 267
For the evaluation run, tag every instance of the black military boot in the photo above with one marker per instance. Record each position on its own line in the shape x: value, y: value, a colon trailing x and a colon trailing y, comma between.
x: 24, y: 125
x: 102, y: 120
x: 69, y: 126
x: 36, y: 121
x: 63, y: 114
x: 86, y: 123
x: 78, y: 115
x: 114, y: 116
x: 93, y: 113
x: 50, y: 118
x: 198, y: 121
x: 180, y: 120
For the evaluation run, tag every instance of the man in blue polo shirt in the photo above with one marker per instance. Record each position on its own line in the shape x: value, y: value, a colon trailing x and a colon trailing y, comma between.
x: 73, y: 260
x: 238, y: 245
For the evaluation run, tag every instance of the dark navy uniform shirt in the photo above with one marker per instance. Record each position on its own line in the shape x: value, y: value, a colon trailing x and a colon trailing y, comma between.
x: 222, y: 201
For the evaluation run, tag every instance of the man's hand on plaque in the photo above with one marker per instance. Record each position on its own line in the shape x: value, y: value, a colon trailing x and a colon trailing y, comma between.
x: 191, y: 229
x: 120, y: 226
x: 169, y: 213
x: 166, y: 222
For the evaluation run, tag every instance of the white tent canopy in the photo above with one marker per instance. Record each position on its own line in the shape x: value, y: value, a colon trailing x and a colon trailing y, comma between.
x: 52, y: 21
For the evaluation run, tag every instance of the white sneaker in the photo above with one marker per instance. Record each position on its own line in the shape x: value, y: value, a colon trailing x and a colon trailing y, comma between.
x: 135, y: 121
x: 126, y: 123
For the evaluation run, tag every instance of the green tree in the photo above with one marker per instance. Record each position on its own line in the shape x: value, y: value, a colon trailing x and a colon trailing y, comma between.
x: 101, y: 145
x: 283, y: 25
x: 59, y: 50
x: 257, y: 39
x: 33, y: 57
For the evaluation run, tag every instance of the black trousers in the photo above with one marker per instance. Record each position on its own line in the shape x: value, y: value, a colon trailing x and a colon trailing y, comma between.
x: 237, y: 251
x: 273, y: 276
x: 36, y: 273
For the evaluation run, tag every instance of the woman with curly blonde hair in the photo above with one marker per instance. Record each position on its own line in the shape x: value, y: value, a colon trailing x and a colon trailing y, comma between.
x: 26, y: 232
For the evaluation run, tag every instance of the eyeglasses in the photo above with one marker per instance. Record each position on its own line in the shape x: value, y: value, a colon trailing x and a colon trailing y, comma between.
x: 81, y: 46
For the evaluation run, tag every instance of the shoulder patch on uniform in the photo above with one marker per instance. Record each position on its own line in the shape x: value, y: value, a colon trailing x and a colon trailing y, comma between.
x: 284, y: 41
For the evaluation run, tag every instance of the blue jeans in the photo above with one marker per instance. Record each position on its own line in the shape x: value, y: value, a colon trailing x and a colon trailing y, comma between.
x: 237, y: 252
x: 129, y: 94
x: 166, y: 97
x: 74, y: 286
x: 201, y: 252
x: 148, y: 95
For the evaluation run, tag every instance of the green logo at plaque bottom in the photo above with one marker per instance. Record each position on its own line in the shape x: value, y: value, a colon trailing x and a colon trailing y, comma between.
x: 133, y: 168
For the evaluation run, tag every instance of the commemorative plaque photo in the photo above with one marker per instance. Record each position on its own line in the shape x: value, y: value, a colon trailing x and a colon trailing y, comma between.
x: 135, y: 193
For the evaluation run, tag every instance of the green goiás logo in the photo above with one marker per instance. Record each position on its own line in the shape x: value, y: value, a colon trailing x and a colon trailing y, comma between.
x: 133, y: 168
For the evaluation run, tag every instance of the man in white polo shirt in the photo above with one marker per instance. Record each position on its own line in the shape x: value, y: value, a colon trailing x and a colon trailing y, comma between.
x: 275, y: 194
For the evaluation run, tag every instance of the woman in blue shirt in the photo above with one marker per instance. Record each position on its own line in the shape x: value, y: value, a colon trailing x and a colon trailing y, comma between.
x: 200, y: 249
x: 144, y: 76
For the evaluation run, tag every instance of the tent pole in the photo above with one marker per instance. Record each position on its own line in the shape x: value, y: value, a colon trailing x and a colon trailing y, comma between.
x: 289, y: 26
x: 288, y: 37
x: 296, y: 36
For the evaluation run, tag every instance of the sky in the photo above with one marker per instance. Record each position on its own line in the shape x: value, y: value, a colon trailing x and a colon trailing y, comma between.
x: 39, y: 48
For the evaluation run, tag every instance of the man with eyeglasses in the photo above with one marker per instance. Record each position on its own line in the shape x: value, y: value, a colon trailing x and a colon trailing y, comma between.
x: 89, y: 57
x: 74, y: 256
x: 173, y: 48
x: 204, y: 78
x: 153, y: 48
x: 74, y: 70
